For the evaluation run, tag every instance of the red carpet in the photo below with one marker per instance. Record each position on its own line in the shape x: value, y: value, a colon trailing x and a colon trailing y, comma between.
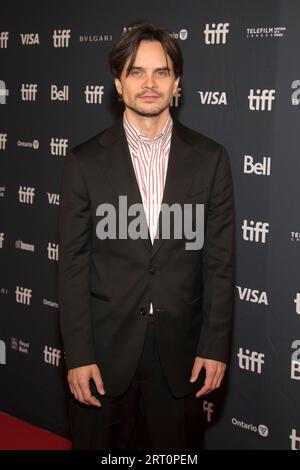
x: 19, y: 435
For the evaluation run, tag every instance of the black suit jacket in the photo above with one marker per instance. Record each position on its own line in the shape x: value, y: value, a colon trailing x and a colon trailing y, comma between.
x: 106, y: 286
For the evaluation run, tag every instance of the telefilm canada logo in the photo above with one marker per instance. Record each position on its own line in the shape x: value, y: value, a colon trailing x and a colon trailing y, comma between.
x: 265, y: 32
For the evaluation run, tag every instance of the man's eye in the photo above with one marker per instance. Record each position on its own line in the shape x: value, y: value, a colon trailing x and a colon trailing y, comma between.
x: 135, y: 72
x: 162, y: 73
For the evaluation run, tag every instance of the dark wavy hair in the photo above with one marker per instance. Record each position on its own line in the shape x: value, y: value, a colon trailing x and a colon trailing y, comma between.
x: 129, y: 42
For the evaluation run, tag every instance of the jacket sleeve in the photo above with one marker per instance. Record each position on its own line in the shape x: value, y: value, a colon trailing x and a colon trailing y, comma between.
x: 218, y: 266
x: 75, y: 234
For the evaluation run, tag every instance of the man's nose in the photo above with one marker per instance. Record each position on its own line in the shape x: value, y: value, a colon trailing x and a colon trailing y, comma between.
x: 149, y: 82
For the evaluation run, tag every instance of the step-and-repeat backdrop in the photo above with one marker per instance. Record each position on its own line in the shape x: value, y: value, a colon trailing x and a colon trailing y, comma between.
x: 241, y: 87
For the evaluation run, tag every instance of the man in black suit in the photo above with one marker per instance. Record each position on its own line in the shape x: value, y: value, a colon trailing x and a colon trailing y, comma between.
x: 145, y: 320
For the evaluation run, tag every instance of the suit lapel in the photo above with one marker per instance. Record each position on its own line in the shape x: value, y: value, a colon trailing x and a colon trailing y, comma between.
x: 117, y: 165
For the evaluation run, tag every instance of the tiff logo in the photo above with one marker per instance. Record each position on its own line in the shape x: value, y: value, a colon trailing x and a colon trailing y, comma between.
x: 295, y: 360
x: 216, y: 34
x: 52, y: 251
x: 1, y: 239
x: 295, y: 440
x: 59, y: 95
x: 4, y: 36
x: 262, y: 101
x: 2, y: 352
x: 61, y: 37
x: 175, y: 98
x: 256, y: 233
x: 53, y: 198
x: 208, y: 408
x: 4, y: 92
x: 297, y: 302
x: 258, y: 168
x: 52, y: 356
x: 3, y: 140
x: 252, y: 361
x: 23, y: 295
x: 26, y: 194
x: 28, y: 91
x: 93, y: 94
x: 29, y: 39
x: 58, y: 146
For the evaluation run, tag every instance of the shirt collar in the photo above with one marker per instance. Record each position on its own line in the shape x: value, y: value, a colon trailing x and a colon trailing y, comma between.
x: 134, y: 136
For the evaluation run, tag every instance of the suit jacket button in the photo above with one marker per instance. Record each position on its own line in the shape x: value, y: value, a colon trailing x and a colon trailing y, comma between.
x: 143, y: 311
x: 152, y: 270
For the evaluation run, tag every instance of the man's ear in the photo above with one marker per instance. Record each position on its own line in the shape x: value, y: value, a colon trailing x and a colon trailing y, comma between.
x: 118, y: 86
x: 176, y: 85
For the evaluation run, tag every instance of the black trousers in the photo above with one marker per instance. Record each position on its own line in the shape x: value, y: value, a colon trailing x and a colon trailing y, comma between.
x: 147, y: 416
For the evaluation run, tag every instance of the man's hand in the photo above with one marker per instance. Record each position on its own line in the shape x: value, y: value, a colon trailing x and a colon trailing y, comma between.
x: 214, y: 373
x: 78, y: 379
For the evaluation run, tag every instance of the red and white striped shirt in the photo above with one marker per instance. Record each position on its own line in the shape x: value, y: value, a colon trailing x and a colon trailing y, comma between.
x: 150, y: 163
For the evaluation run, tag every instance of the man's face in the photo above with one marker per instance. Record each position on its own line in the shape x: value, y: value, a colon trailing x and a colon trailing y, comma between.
x: 150, y: 86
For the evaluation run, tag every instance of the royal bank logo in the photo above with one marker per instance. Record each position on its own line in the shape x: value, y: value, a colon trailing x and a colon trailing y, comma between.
x: 258, y: 168
x: 213, y: 97
x: 266, y: 32
x: 29, y: 91
x: 34, y: 145
x: 4, y: 36
x: 57, y: 94
x: 2, y: 352
x: 23, y: 295
x: 295, y: 97
x: 295, y: 440
x: 93, y: 94
x: 52, y: 356
x: 59, y: 146
x: 182, y: 34
x: 175, y: 99
x: 26, y: 194
x: 30, y: 39
x: 295, y: 360
x: 53, y: 198
x: 52, y: 250
x: 261, y: 100
x: 95, y: 38
x: 61, y: 37
x: 251, y: 361
x: 216, y: 33
x: 252, y: 295
x: 4, y: 92
x: 19, y: 345
x: 261, y: 429
x: 3, y: 141
x: 255, y: 231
